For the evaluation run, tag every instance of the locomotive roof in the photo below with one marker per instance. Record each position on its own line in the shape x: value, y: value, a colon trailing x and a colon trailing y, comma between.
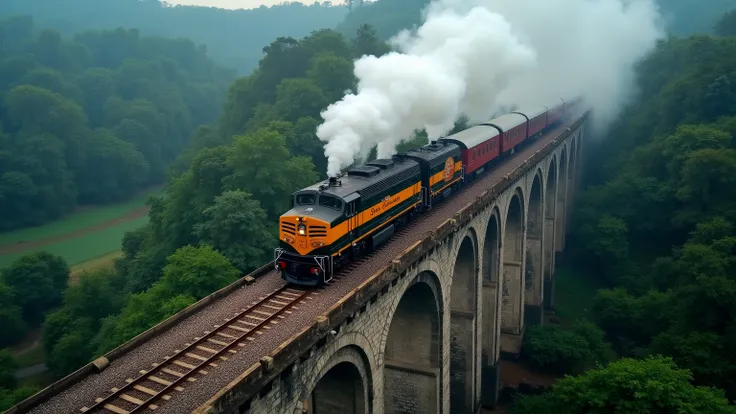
x: 532, y: 113
x: 435, y: 153
x: 508, y: 121
x: 367, y: 179
x: 473, y: 136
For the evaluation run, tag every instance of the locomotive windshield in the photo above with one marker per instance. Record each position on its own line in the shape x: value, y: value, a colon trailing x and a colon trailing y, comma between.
x: 330, y: 202
x: 306, y: 199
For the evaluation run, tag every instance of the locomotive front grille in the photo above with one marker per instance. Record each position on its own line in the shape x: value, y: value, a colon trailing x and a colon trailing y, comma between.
x: 288, y: 228
x: 317, y: 231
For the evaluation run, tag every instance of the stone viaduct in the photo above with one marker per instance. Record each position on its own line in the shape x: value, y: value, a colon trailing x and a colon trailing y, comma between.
x: 432, y: 339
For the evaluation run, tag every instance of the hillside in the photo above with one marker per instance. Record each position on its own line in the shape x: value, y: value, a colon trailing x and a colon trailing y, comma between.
x: 388, y: 17
x: 234, y: 38
x: 96, y: 118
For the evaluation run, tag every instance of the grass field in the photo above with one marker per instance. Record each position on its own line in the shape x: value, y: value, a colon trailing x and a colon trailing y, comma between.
x: 88, y: 239
x: 85, y: 248
x: 78, y: 221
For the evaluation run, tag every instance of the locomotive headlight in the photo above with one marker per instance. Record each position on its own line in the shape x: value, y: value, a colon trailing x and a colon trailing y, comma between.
x: 302, y: 229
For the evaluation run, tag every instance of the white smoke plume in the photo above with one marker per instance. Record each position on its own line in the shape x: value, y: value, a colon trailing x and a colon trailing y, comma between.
x: 473, y: 57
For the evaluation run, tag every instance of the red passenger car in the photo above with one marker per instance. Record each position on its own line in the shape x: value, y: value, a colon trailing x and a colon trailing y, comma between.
x: 478, y: 145
x: 536, y: 120
x: 512, y: 128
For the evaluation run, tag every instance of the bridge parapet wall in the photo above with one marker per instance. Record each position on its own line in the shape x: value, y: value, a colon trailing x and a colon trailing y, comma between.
x: 355, y: 329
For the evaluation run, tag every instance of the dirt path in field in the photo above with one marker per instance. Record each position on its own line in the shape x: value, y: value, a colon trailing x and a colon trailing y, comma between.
x: 22, y: 246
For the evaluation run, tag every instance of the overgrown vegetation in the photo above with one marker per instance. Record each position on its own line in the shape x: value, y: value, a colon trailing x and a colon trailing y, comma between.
x: 94, y: 119
x: 216, y: 218
x: 656, y: 227
x: 234, y: 38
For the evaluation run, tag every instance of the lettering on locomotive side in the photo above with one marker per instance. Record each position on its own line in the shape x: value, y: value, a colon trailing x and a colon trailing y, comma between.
x: 385, y: 205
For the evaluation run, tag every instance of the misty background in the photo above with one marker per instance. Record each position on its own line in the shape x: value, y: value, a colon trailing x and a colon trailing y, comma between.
x: 235, y: 38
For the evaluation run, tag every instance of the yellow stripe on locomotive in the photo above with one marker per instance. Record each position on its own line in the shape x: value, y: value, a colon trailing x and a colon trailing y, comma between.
x: 306, y: 234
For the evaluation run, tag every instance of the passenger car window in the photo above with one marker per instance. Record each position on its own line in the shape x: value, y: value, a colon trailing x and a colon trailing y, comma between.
x: 330, y: 202
x: 305, y: 199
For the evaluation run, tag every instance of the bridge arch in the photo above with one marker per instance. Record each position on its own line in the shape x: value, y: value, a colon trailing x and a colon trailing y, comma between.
x: 463, y: 299
x: 561, y: 201
x: 571, y: 173
x: 490, y: 328
x: 344, y: 384
x: 512, y: 285
x: 534, y: 265
x: 548, y: 287
x: 412, y: 365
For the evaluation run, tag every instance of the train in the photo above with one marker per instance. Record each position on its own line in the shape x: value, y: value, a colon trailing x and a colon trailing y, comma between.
x: 332, y: 223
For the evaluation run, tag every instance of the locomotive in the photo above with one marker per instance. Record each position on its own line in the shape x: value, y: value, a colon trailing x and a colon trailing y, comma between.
x: 332, y: 223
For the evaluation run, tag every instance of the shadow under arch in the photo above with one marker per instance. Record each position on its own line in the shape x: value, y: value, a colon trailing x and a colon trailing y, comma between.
x: 463, y: 324
x: 490, y: 328
x: 550, y: 205
x: 512, y: 287
x: 560, y: 208
x: 412, y: 365
x: 534, y: 264
x: 344, y: 384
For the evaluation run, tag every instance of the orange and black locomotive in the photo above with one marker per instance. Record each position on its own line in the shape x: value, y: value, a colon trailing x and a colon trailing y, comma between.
x: 332, y: 223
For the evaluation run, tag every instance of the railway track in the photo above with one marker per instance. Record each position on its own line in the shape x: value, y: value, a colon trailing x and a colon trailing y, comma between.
x: 196, y: 358
x: 69, y: 397
x: 205, y: 352
x: 354, y: 265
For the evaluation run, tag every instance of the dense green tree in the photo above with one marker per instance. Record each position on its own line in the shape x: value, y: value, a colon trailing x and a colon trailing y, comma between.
x: 213, y: 28
x: 655, y: 225
x: 628, y: 386
x: 559, y: 351
x: 38, y: 281
x: 68, y: 333
x: 95, y: 118
x: 191, y: 274
x: 197, y: 271
x: 8, y: 397
x: 236, y: 226
x: 11, y: 317
x: 8, y: 365
x: 332, y: 74
x: 262, y: 165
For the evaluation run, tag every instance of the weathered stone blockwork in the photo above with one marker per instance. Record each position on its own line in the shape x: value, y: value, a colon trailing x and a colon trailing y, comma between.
x: 430, y: 340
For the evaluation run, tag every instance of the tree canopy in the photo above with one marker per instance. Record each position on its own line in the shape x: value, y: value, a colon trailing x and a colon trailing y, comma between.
x: 234, y: 38
x: 656, y: 224
x: 95, y: 118
x: 217, y: 217
x: 652, y: 385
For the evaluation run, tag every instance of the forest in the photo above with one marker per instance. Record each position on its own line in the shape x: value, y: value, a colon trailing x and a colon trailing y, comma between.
x: 655, y: 226
x: 656, y: 229
x: 234, y: 38
x: 214, y: 222
x: 95, y: 118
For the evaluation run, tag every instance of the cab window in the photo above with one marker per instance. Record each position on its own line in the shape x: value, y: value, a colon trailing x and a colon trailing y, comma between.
x: 330, y: 202
x: 305, y: 199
